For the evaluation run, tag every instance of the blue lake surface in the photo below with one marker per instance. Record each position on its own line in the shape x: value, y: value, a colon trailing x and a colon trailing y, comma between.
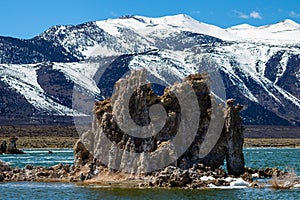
x: 40, y: 157
x: 254, y: 157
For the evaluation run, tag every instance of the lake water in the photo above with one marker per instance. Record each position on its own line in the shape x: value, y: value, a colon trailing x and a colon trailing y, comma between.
x: 254, y: 157
x: 40, y: 157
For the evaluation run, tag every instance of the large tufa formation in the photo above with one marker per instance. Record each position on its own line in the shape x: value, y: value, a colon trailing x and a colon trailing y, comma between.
x: 216, y: 137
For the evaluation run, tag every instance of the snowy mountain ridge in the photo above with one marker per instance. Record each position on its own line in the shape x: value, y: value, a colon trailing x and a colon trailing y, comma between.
x: 259, y: 66
x: 286, y: 31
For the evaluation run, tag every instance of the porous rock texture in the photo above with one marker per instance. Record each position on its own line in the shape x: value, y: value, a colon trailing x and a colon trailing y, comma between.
x: 218, y: 135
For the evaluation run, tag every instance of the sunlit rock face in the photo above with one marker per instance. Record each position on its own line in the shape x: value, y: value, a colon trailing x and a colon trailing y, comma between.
x: 137, y: 131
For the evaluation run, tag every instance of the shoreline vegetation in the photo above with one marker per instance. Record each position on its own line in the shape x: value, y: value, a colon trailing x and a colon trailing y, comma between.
x: 69, y: 142
x: 66, y: 136
x: 272, y: 142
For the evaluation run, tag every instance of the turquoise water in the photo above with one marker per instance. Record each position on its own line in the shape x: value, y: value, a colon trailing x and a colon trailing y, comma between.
x: 254, y: 157
x: 273, y: 157
x: 40, y: 157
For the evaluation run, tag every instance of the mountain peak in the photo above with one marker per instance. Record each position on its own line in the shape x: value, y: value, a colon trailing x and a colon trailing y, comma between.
x: 242, y: 27
x: 286, y: 31
x: 285, y: 25
x: 289, y: 22
x: 179, y: 17
x: 150, y: 25
x: 150, y: 20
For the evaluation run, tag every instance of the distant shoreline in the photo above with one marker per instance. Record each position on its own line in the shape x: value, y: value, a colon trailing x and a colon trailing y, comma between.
x: 272, y: 142
x: 47, y: 136
x: 259, y: 131
x: 251, y: 131
x: 69, y: 142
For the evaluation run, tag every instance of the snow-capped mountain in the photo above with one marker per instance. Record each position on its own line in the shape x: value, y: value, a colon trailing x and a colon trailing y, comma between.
x: 259, y: 66
x: 286, y: 31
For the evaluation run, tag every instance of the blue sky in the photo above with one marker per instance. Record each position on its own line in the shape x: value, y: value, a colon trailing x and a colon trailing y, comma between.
x: 28, y: 18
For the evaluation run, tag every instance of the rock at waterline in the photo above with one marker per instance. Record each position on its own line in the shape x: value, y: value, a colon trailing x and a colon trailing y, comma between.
x: 4, y: 166
x: 3, y: 147
x: 11, y: 147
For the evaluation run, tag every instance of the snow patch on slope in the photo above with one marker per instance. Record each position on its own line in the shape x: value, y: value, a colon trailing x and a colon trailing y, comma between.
x: 23, y: 78
x: 81, y: 74
x: 282, y: 66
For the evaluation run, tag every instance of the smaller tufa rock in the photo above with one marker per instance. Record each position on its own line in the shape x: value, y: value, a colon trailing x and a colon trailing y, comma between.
x: 4, y: 166
x: 3, y: 147
x: 1, y: 177
x: 29, y: 167
x: 57, y: 167
x: 81, y: 155
x: 12, y: 147
x: 235, y: 139
x: 43, y: 174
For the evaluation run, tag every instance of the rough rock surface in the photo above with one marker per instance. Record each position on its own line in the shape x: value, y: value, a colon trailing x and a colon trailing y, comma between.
x: 196, y: 177
x: 4, y: 166
x: 36, y: 173
x: 225, y: 145
x: 234, y: 135
x: 81, y: 155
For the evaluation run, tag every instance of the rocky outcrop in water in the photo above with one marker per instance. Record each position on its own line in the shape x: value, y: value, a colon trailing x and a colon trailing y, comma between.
x: 4, y: 166
x: 215, y: 138
x: 36, y: 173
x: 81, y: 155
x: 196, y: 177
x: 234, y: 136
x: 11, y: 147
x: 3, y: 147
x: 177, y: 146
